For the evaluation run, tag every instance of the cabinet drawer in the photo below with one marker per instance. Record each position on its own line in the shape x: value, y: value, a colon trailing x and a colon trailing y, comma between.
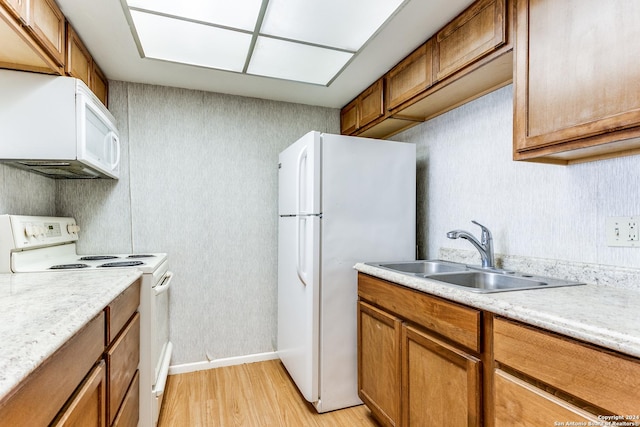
x: 55, y: 380
x: 129, y: 410
x: 473, y: 34
x: 457, y: 323
x: 87, y: 408
x: 122, y: 363
x: 519, y: 403
x: 599, y: 377
x: 121, y: 309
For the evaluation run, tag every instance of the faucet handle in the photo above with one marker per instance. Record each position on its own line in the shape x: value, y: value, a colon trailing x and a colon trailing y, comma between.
x: 486, y: 234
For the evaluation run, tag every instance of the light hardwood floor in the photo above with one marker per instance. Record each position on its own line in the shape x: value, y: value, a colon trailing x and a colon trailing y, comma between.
x: 257, y: 394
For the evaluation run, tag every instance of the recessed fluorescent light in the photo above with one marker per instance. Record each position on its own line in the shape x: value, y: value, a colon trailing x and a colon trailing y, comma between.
x: 307, y: 41
x: 295, y: 61
x: 336, y: 23
x: 242, y: 14
x: 190, y: 43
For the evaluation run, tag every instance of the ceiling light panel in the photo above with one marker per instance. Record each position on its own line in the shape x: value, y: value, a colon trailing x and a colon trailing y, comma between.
x: 190, y: 43
x: 337, y: 23
x: 294, y: 61
x: 242, y: 14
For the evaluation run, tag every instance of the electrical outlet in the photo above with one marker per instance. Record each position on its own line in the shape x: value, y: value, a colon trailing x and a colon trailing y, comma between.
x: 623, y: 231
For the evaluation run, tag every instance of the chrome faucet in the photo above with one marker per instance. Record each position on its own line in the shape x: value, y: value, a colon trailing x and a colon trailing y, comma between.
x: 484, y: 246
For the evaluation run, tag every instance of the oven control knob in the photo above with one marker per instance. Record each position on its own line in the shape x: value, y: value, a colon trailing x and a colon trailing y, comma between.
x: 35, y: 231
x: 73, y: 228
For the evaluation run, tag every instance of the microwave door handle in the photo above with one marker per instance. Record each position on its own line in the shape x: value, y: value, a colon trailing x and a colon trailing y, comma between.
x: 115, y: 143
x: 165, y: 285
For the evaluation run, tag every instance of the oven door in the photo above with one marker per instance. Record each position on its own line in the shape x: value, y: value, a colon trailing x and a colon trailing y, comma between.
x: 161, y: 348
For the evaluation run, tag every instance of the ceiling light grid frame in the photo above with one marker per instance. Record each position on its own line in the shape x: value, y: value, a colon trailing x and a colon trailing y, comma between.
x: 263, y: 40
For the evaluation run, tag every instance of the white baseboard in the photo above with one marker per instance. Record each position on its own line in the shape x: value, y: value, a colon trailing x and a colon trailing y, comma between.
x: 218, y: 363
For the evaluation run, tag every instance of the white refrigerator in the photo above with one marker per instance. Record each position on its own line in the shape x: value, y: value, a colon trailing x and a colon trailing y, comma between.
x: 342, y: 200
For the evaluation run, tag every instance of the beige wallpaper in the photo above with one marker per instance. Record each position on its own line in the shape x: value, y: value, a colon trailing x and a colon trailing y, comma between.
x: 201, y: 184
x: 465, y: 172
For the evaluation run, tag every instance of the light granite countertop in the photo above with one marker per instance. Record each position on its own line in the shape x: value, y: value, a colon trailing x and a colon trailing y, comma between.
x: 40, y: 311
x: 603, y: 315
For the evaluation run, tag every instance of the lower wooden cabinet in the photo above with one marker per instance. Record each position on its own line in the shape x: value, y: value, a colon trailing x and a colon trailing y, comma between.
x: 579, y: 374
x: 440, y: 383
x: 87, y: 406
x: 81, y: 384
x: 518, y: 403
x: 409, y: 375
x: 379, y: 372
x: 426, y: 361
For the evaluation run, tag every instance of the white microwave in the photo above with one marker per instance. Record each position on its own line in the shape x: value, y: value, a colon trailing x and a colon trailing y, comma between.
x: 55, y: 126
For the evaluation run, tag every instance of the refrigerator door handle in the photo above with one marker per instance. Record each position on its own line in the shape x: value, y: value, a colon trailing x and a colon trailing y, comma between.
x: 301, y: 181
x: 301, y: 248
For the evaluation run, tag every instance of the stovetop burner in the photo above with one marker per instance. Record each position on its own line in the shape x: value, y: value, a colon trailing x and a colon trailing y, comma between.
x: 122, y: 264
x: 141, y: 256
x: 98, y: 257
x: 67, y: 266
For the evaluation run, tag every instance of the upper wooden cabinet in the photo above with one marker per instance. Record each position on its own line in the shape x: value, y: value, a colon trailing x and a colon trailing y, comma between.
x: 367, y: 107
x: 473, y: 34
x: 81, y: 65
x: 469, y: 57
x: 411, y: 76
x: 576, y: 80
x: 47, y: 23
x: 35, y: 37
x: 32, y: 34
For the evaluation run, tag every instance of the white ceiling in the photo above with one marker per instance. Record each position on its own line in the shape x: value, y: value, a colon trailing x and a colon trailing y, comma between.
x: 103, y: 27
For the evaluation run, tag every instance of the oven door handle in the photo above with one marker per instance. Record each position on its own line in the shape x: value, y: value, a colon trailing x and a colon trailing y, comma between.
x: 165, y: 285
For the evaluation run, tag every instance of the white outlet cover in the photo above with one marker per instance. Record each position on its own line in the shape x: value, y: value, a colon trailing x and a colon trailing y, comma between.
x: 623, y: 231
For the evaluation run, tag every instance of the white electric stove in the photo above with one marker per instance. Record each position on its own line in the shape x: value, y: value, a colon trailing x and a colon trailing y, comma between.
x: 36, y: 244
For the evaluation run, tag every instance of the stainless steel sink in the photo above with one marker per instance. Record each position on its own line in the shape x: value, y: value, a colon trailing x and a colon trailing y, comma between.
x: 473, y: 278
x: 422, y: 267
x: 480, y: 281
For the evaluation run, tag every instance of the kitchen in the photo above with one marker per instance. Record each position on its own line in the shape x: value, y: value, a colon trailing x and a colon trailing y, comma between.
x: 217, y: 199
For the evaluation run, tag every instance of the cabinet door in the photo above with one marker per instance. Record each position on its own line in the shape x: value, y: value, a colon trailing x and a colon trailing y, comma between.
x: 440, y: 384
x: 349, y: 118
x: 47, y: 23
x: 17, y: 7
x: 99, y: 84
x: 78, y: 57
x: 476, y: 32
x: 518, y: 403
x: 575, y: 77
x: 379, y: 363
x: 87, y: 406
x: 371, y: 104
x: 411, y: 76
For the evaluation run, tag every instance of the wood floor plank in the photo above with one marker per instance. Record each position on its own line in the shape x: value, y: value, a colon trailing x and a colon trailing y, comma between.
x: 250, y: 395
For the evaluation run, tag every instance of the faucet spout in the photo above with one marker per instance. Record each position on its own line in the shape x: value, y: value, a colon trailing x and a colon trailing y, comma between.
x: 484, y: 245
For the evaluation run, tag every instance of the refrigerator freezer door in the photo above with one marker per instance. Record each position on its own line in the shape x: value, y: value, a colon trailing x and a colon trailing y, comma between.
x: 298, y: 301
x: 299, y: 177
x: 369, y: 205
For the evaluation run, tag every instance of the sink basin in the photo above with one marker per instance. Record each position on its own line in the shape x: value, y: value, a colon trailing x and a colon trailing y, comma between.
x: 500, y: 281
x: 480, y: 281
x: 473, y: 278
x: 423, y: 267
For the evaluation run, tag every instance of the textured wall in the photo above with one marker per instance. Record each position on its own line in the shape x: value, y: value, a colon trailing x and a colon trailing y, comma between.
x: 200, y: 184
x: 465, y: 172
x: 25, y: 193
